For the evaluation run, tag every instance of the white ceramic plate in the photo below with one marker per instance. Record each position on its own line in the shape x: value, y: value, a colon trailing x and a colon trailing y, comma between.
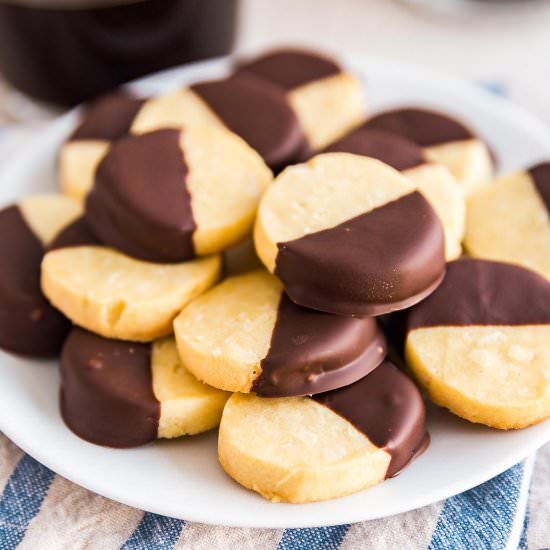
x: 182, y: 478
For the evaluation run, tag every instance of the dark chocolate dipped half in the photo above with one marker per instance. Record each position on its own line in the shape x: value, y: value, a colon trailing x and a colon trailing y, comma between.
x: 107, y: 391
x: 29, y: 325
x: 384, y: 260
x: 313, y: 352
x: 540, y: 174
x: 482, y: 292
x: 140, y: 204
x: 289, y: 68
x: 392, y: 149
x: 421, y: 126
x: 259, y: 113
x: 75, y: 234
x: 387, y: 407
x: 108, y: 118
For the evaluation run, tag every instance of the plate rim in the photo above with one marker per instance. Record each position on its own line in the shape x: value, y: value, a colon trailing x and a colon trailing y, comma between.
x: 435, y: 496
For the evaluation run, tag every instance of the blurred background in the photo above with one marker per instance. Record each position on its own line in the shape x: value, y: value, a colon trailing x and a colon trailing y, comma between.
x: 62, y: 51
x: 498, y: 41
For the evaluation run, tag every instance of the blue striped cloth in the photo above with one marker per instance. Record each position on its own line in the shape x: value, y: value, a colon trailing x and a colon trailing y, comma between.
x: 41, y: 510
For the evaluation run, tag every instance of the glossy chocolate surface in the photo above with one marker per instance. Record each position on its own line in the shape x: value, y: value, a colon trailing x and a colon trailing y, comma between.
x: 397, y: 152
x: 259, y: 113
x: 423, y: 127
x: 139, y: 203
x: 107, y: 390
x: 482, y: 292
x: 313, y: 352
x: 108, y: 118
x: 540, y: 175
x: 381, y: 261
x: 290, y: 68
x: 75, y: 234
x: 29, y: 325
x: 387, y: 407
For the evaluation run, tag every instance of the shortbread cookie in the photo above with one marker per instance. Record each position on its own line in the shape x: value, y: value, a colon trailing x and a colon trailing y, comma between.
x: 124, y: 394
x: 302, y: 449
x: 246, y: 335
x: 328, y: 100
x: 169, y: 195
x: 255, y: 110
x: 116, y: 296
x: 444, y: 139
x: 350, y: 235
x: 480, y: 344
x: 509, y: 220
x: 29, y: 325
x: 103, y: 121
x: 432, y: 179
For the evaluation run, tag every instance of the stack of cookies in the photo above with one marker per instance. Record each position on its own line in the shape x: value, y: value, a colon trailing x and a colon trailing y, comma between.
x: 186, y: 287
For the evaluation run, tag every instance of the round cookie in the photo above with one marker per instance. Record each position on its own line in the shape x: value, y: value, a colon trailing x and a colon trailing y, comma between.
x: 304, y: 449
x: 328, y: 100
x: 480, y: 344
x: 124, y: 394
x: 116, y: 296
x: 246, y: 335
x: 509, y: 220
x: 253, y: 109
x: 169, y: 195
x: 105, y: 120
x: 444, y: 140
x: 349, y: 235
x: 29, y: 325
x: 432, y: 179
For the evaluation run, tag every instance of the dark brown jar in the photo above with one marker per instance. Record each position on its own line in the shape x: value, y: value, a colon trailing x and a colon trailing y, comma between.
x: 68, y: 51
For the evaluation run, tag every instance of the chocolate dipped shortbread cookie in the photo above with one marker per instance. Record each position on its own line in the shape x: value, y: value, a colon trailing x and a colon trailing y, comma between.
x: 432, y: 179
x: 103, y: 121
x: 253, y: 109
x: 350, y: 235
x: 170, y: 195
x: 116, y: 296
x: 124, y: 394
x: 303, y: 449
x: 444, y: 140
x: 328, y: 100
x: 246, y: 335
x: 509, y: 220
x: 29, y: 325
x: 480, y: 344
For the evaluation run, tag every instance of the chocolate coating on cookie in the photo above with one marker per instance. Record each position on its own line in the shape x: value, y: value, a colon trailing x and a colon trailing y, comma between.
x: 423, y: 127
x: 387, y: 407
x: 290, y: 68
x: 482, y: 292
x: 259, y: 113
x: 397, y: 152
x: 75, y: 234
x: 381, y: 261
x: 108, y: 118
x: 540, y: 174
x: 29, y: 325
x: 140, y: 204
x: 107, y: 392
x: 312, y: 352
